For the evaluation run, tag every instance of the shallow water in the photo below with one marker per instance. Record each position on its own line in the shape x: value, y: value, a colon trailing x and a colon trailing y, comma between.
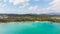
x: 30, y: 28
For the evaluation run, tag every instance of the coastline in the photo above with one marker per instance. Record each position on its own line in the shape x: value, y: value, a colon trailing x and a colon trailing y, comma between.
x: 23, y: 22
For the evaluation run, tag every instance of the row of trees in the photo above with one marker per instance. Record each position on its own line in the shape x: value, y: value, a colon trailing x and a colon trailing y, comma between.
x: 28, y: 18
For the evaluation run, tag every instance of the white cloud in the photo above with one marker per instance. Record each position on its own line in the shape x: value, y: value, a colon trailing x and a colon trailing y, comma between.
x: 33, y: 8
x: 21, y: 9
x: 3, y: 9
x: 54, y: 8
x: 18, y: 1
x: 55, y: 5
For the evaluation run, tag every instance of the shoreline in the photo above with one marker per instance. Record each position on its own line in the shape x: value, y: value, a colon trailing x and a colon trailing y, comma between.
x: 24, y: 21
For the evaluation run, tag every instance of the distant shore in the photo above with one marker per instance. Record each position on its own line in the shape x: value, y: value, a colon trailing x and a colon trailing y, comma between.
x: 6, y: 18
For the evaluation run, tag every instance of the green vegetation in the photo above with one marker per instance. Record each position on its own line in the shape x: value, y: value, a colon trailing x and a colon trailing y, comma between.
x: 29, y: 18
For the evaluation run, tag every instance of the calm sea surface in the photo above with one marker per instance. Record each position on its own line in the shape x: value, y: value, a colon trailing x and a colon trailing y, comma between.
x: 30, y: 28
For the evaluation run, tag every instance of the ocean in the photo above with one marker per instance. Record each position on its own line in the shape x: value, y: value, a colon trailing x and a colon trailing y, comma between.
x: 30, y: 28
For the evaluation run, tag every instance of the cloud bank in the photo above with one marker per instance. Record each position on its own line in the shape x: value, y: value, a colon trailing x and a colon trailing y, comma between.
x: 24, y: 6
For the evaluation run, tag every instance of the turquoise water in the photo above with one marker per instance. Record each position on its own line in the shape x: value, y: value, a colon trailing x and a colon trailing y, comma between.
x: 30, y: 28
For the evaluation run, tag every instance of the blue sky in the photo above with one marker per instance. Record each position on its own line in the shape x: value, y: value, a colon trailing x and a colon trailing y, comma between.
x: 29, y: 6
